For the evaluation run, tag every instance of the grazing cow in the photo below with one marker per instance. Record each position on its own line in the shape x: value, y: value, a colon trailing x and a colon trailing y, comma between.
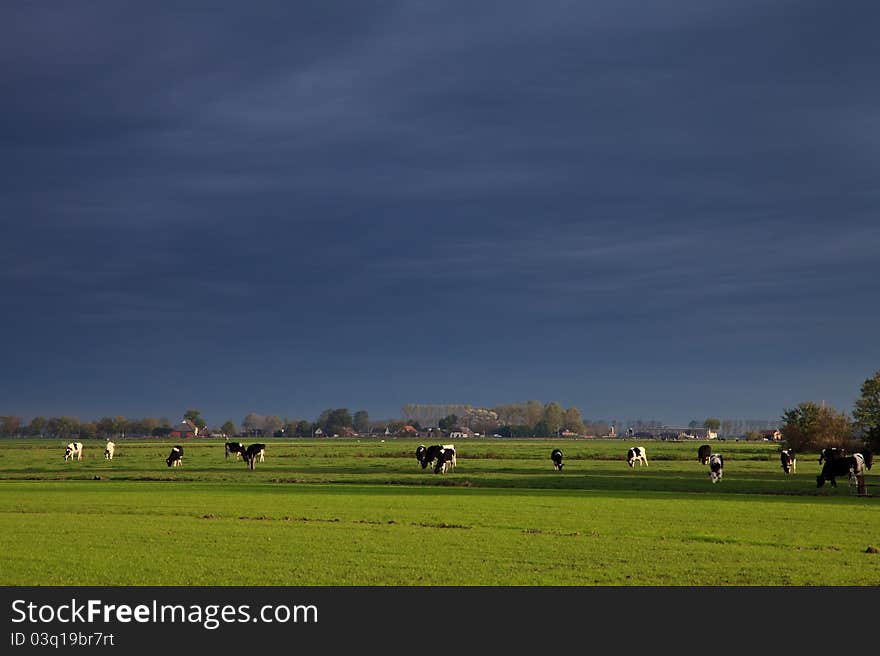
x: 556, y: 457
x: 421, y: 449
x: 716, y: 467
x: 235, y: 448
x: 109, y: 450
x: 429, y: 455
x: 253, y: 452
x: 175, y: 458
x: 634, y: 454
x: 853, y: 466
x: 788, y: 461
x: 73, y: 451
x: 703, y: 454
x: 445, y: 459
x: 830, y: 453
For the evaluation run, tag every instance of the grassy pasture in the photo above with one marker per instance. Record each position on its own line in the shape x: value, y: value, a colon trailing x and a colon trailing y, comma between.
x: 332, y: 512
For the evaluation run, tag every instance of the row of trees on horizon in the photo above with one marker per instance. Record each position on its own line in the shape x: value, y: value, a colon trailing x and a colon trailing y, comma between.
x: 526, y: 419
x: 808, y: 426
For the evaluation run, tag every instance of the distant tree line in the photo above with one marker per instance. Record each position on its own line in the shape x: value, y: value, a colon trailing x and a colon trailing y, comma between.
x: 808, y: 426
x: 69, y: 427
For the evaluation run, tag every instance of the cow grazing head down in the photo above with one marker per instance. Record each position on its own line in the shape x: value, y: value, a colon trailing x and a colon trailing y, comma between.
x: 788, y: 461
x: 253, y: 453
x: 73, y: 451
x: 636, y: 454
x: 234, y: 448
x: 556, y: 457
x: 716, y: 467
x: 703, y: 454
x: 851, y: 466
x: 175, y: 458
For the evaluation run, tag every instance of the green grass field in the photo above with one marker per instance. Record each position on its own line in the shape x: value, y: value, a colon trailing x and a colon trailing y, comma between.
x: 331, y: 512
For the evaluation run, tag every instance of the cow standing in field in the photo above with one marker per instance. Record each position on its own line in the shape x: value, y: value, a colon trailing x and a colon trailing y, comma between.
x: 429, y: 454
x: 703, y: 454
x: 175, y: 458
x: 788, y: 461
x: 253, y: 453
x: 421, y: 449
x: 445, y: 459
x: 852, y: 466
x: 73, y: 451
x: 235, y: 448
x: 556, y: 457
x: 716, y: 467
x: 636, y: 453
x: 109, y: 450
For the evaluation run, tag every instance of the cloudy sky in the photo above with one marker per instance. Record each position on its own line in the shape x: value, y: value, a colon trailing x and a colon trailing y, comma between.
x: 663, y: 209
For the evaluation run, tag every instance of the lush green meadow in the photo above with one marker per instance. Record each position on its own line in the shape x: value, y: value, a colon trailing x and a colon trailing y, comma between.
x: 333, y: 512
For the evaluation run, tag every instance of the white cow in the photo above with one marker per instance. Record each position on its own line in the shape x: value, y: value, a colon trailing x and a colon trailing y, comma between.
x: 636, y: 453
x: 109, y: 450
x: 73, y: 451
x: 716, y: 467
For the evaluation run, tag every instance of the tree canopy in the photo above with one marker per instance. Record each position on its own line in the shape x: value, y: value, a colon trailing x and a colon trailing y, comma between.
x: 810, y: 426
x: 867, y: 411
x: 195, y: 416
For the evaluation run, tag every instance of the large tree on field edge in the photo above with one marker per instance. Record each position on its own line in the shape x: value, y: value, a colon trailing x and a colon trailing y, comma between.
x: 867, y: 411
x: 812, y: 427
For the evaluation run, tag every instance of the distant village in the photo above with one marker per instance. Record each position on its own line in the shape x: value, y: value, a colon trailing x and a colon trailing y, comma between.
x: 428, y: 421
x: 441, y: 421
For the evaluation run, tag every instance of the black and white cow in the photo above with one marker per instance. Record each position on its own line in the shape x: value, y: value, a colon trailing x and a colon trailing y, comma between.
x: 429, y: 455
x: 109, y: 450
x: 868, y: 457
x: 851, y: 466
x: 73, y: 451
x: 445, y: 459
x: 175, y: 458
x: 421, y: 449
x: 556, y: 457
x: 636, y: 453
x: 235, y: 448
x: 716, y: 467
x: 253, y: 453
x: 703, y: 454
x: 830, y: 453
x: 788, y: 461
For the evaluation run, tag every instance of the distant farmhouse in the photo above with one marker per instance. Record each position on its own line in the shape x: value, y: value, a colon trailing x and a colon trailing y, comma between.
x: 184, y: 430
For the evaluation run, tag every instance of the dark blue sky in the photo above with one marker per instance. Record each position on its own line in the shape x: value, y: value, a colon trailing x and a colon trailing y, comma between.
x: 643, y: 209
